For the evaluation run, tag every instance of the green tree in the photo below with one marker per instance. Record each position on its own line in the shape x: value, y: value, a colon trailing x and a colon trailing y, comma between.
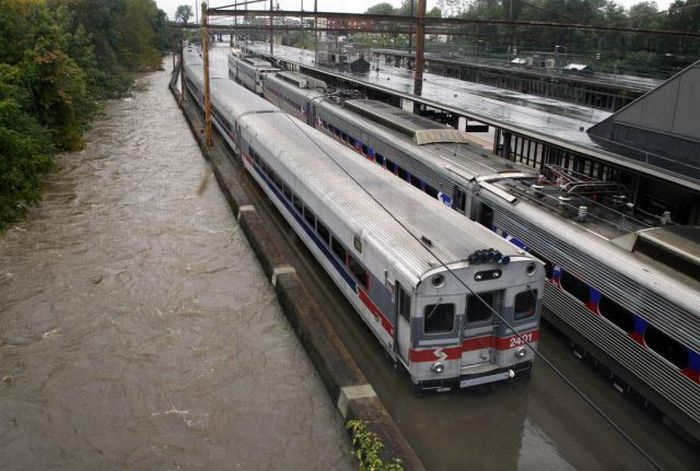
x: 383, y: 8
x: 183, y: 14
x: 25, y: 148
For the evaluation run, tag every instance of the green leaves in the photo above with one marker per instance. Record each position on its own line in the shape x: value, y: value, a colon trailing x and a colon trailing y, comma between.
x: 367, y: 448
x: 56, y: 58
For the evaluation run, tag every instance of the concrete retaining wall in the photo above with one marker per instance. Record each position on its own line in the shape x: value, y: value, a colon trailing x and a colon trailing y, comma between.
x: 344, y: 381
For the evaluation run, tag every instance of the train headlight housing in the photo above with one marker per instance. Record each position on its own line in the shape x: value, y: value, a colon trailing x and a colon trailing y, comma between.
x: 438, y: 367
x: 520, y: 352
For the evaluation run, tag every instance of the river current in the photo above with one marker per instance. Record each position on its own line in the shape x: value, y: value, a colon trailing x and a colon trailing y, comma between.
x: 137, y: 330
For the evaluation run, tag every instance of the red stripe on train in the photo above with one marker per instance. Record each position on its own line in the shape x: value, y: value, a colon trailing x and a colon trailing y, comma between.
x: 692, y: 374
x: 376, y: 312
x: 477, y: 343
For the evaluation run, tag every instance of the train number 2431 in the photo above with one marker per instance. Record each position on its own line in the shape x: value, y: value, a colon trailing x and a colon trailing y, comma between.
x: 517, y: 341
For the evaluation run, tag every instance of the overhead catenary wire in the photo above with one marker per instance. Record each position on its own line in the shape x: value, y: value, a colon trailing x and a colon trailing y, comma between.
x: 525, y: 342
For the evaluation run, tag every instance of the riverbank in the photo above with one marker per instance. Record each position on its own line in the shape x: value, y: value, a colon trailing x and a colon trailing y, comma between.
x: 137, y: 329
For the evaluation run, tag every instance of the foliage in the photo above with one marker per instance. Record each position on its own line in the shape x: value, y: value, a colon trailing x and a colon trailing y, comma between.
x: 56, y: 58
x: 606, y: 50
x: 368, y: 447
x: 25, y: 148
x: 383, y: 8
x: 183, y: 13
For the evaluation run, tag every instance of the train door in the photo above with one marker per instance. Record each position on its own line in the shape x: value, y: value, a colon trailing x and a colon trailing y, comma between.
x: 460, y: 200
x: 486, y: 216
x: 480, y: 328
x: 311, y: 114
x: 402, y: 341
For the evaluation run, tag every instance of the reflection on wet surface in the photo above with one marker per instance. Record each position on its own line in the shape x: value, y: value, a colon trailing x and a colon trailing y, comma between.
x: 552, y: 117
x: 137, y: 330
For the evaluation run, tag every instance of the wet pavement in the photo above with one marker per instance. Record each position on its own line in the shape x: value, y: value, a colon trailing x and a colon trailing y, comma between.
x: 553, y: 117
x: 137, y: 330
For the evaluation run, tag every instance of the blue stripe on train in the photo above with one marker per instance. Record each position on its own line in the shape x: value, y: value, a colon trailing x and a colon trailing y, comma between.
x: 310, y: 232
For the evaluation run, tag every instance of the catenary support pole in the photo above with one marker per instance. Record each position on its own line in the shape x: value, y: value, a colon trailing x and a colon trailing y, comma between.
x: 183, y: 91
x: 420, y: 49
x: 207, y: 90
x: 272, y: 33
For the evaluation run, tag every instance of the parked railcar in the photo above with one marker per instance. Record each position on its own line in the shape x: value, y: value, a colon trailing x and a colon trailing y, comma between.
x: 627, y: 293
x: 425, y: 283
x: 249, y: 71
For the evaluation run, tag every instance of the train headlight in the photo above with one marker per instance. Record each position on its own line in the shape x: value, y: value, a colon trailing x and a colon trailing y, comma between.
x: 438, y: 367
x: 520, y: 352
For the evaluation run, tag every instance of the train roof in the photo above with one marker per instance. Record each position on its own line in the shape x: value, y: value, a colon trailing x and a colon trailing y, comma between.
x: 421, y: 130
x: 245, y: 102
x: 304, y: 152
x: 464, y: 162
x: 301, y: 80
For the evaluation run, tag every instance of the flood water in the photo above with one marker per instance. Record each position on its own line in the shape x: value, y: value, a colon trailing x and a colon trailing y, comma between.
x: 137, y: 330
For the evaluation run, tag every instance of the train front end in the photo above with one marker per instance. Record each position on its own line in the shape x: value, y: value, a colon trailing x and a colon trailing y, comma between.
x: 473, y: 322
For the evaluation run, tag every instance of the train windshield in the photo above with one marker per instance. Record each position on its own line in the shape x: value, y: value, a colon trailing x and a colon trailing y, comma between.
x: 525, y: 304
x: 480, y: 306
x: 439, y: 318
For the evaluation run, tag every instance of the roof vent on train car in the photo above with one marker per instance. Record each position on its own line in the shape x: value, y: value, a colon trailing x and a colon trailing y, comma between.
x: 488, y: 256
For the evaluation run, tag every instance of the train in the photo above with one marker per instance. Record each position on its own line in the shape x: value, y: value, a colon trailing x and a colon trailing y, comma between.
x: 249, y: 70
x: 622, y: 285
x: 452, y: 303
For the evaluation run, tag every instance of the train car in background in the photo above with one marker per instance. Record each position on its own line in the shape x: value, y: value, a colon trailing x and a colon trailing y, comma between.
x: 628, y: 292
x: 450, y: 301
x: 249, y: 71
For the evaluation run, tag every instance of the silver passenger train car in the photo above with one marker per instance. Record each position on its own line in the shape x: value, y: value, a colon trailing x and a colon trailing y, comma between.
x: 627, y: 292
x: 249, y: 71
x: 426, y: 284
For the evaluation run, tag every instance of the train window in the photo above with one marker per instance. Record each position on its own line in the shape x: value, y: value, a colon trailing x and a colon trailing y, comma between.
x: 343, y: 136
x: 485, y: 215
x: 338, y: 249
x: 478, y: 309
x: 287, y: 192
x: 431, y: 191
x: 365, y: 149
x: 404, y: 301
x: 309, y: 216
x: 359, y: 272
x: 297, y: 203
x: 616, y: 314
x: 379, y: 158
x: 415, y: 181
x: 357, y: 242
x: 575, y: 287
x: 665, y: 346
x: 460, y: 199
x: 525, y: 304
x: 439, y: 318
x: 323, y: 232
x: 390, y: 166
x: 403, y: 175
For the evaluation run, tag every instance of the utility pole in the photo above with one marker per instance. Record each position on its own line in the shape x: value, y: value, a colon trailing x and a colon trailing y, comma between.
x: 410, y: 36
x: 315, y: 34
x: 183, y: 90
x: 207, y: 90
x: 420, y: 49
x: 272, y: 34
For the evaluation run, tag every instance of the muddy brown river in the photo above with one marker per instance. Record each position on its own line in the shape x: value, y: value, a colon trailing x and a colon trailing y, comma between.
x: 137, y: 330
